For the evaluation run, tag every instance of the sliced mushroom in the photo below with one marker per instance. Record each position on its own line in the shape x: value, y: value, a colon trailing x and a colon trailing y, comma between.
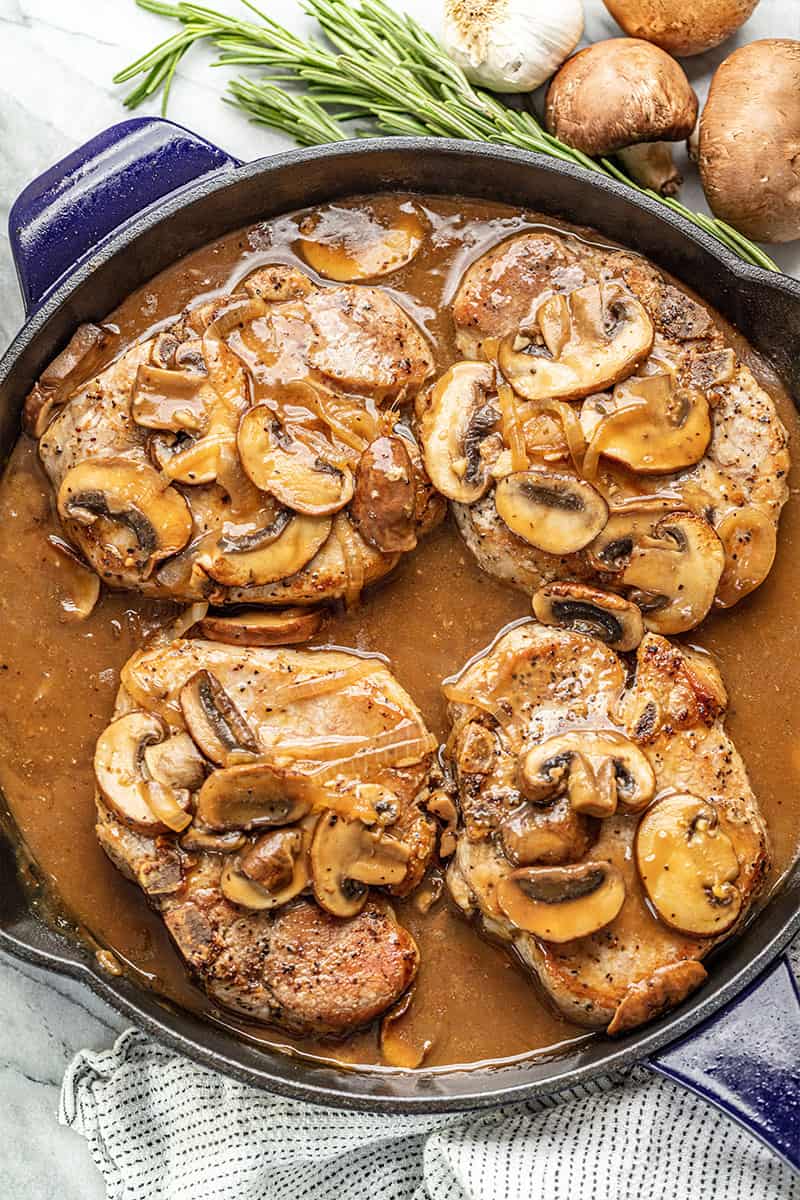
x: 199, y: 839
x: 126, y: 502
x: 126, y: 786
x: 347, y: 858
x: 76, y: 363
x: 554, y: 512
x: 278, y: 460
x: 193, y: 461
x: 461, y: 414
x: 260, y: 627
x: 581, y: 343
x: 78, y: 585
x: 599, y: 614
x: 558, y: 904
x: 611, y: 551
x: 263, y: 554
x: 213, y: 720
x: 597, y: 769
x: 176, y: 762
x: 348, y: 244
x: 385, y: 497
x: 271, y: 872
x: 649, y: 425
x: 252, y: 796
x: 688, y: 866
x: 173, y: 400
x: 749, y: 540
x: 555, y: 834
x: 674, y: 572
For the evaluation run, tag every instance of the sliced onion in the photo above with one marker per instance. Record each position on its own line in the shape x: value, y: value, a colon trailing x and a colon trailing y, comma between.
x: 163, y: 803
x: 332, y: 749
x: 322, y: 685
x: 317, y: 404
x: 353, y: 561
x: 512, y: 430
x: 399, y: 754
x: 573, y: 431
x: 487, y: 704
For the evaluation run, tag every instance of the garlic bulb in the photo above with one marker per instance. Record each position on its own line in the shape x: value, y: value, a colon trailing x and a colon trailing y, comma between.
x: 511, y: 45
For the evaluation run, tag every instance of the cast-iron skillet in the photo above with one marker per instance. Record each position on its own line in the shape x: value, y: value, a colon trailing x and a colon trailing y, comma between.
x: 146, y: 192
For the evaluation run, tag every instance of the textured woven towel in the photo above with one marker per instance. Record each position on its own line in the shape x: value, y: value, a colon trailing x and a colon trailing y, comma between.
x: 161, y: 1128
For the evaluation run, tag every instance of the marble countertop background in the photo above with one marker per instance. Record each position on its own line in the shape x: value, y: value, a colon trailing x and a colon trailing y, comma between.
x: 57, y: 58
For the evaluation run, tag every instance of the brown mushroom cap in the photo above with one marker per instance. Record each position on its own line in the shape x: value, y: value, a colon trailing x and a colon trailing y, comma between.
x: 213, y: 720
x: 681, y: 27
x: 578, y: 344
x: 618, y: 93
x: 254, y: 795
x: 553, y: 834
x: 125, y: 509
x: 265, y: 552
x: 688, y: 865
x: 385, y: 498
x: 648, y: 424
x: 79, y: 359
x: 285, y: 462
x: 604, y: 615
x: 749, y: 137
x: 558, y: 904
x: 347, y: 858
x: 126, y: 785
x: 596, y: 767
x: 555, y: 512
x: 260, y: 627
x: 674, y: 572
x: 749, y: 539
x: 171, y: 400
x: 269, y: 873
x: 462, y: 412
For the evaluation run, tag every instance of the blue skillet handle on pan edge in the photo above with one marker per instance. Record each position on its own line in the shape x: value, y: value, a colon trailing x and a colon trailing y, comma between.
x: 745, y: 1059
x: 64, y: 214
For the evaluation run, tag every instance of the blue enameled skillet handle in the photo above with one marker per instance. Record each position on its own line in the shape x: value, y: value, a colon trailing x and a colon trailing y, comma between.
x: 67, y: 212
x: 746, y: 1060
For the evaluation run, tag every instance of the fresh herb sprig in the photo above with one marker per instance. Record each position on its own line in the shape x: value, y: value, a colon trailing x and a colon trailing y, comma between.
x: 383, y: 68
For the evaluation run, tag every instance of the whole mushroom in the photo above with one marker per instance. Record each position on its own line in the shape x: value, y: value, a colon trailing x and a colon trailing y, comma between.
x: 749, y: 142
x: 679, y: 27
x: 625, y: 97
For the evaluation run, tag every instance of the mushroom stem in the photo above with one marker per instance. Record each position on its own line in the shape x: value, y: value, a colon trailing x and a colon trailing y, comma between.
x: 651, y: 165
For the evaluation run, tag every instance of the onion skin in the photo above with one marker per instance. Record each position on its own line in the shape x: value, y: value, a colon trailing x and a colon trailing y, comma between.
x: 749, y: 146
x: 681, y: 27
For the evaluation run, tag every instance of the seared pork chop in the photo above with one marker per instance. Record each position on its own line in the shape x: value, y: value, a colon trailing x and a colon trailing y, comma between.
x: 257, y: 796
x: 568, y: 775
x: 588, y: 366
x: 227, y: 458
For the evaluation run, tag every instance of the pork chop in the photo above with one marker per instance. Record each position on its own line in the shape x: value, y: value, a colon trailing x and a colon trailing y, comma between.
x: 541, y: 687
x: 163, y: 490
x: 310, y: 800
x: 620, y: 379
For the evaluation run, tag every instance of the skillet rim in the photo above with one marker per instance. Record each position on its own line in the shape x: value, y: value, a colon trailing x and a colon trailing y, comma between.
x: 434, y: 1090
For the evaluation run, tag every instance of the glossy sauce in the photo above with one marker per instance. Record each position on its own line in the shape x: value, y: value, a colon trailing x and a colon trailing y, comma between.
x: 58, y: 680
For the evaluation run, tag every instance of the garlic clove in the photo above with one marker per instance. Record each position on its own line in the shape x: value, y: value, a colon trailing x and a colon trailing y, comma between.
x: 511, y: 45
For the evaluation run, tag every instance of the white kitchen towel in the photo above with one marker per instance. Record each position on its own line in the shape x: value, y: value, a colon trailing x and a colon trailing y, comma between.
x: 161, y: 1128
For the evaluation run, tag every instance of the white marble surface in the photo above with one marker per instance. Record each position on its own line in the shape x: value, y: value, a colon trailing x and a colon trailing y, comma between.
x: 56, y: 62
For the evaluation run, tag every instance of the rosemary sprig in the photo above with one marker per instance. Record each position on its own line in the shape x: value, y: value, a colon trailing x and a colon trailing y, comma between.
x: 384, y: 69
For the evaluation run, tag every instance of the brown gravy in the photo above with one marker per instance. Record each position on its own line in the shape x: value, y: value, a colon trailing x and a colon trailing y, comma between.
x: 58, y: 680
